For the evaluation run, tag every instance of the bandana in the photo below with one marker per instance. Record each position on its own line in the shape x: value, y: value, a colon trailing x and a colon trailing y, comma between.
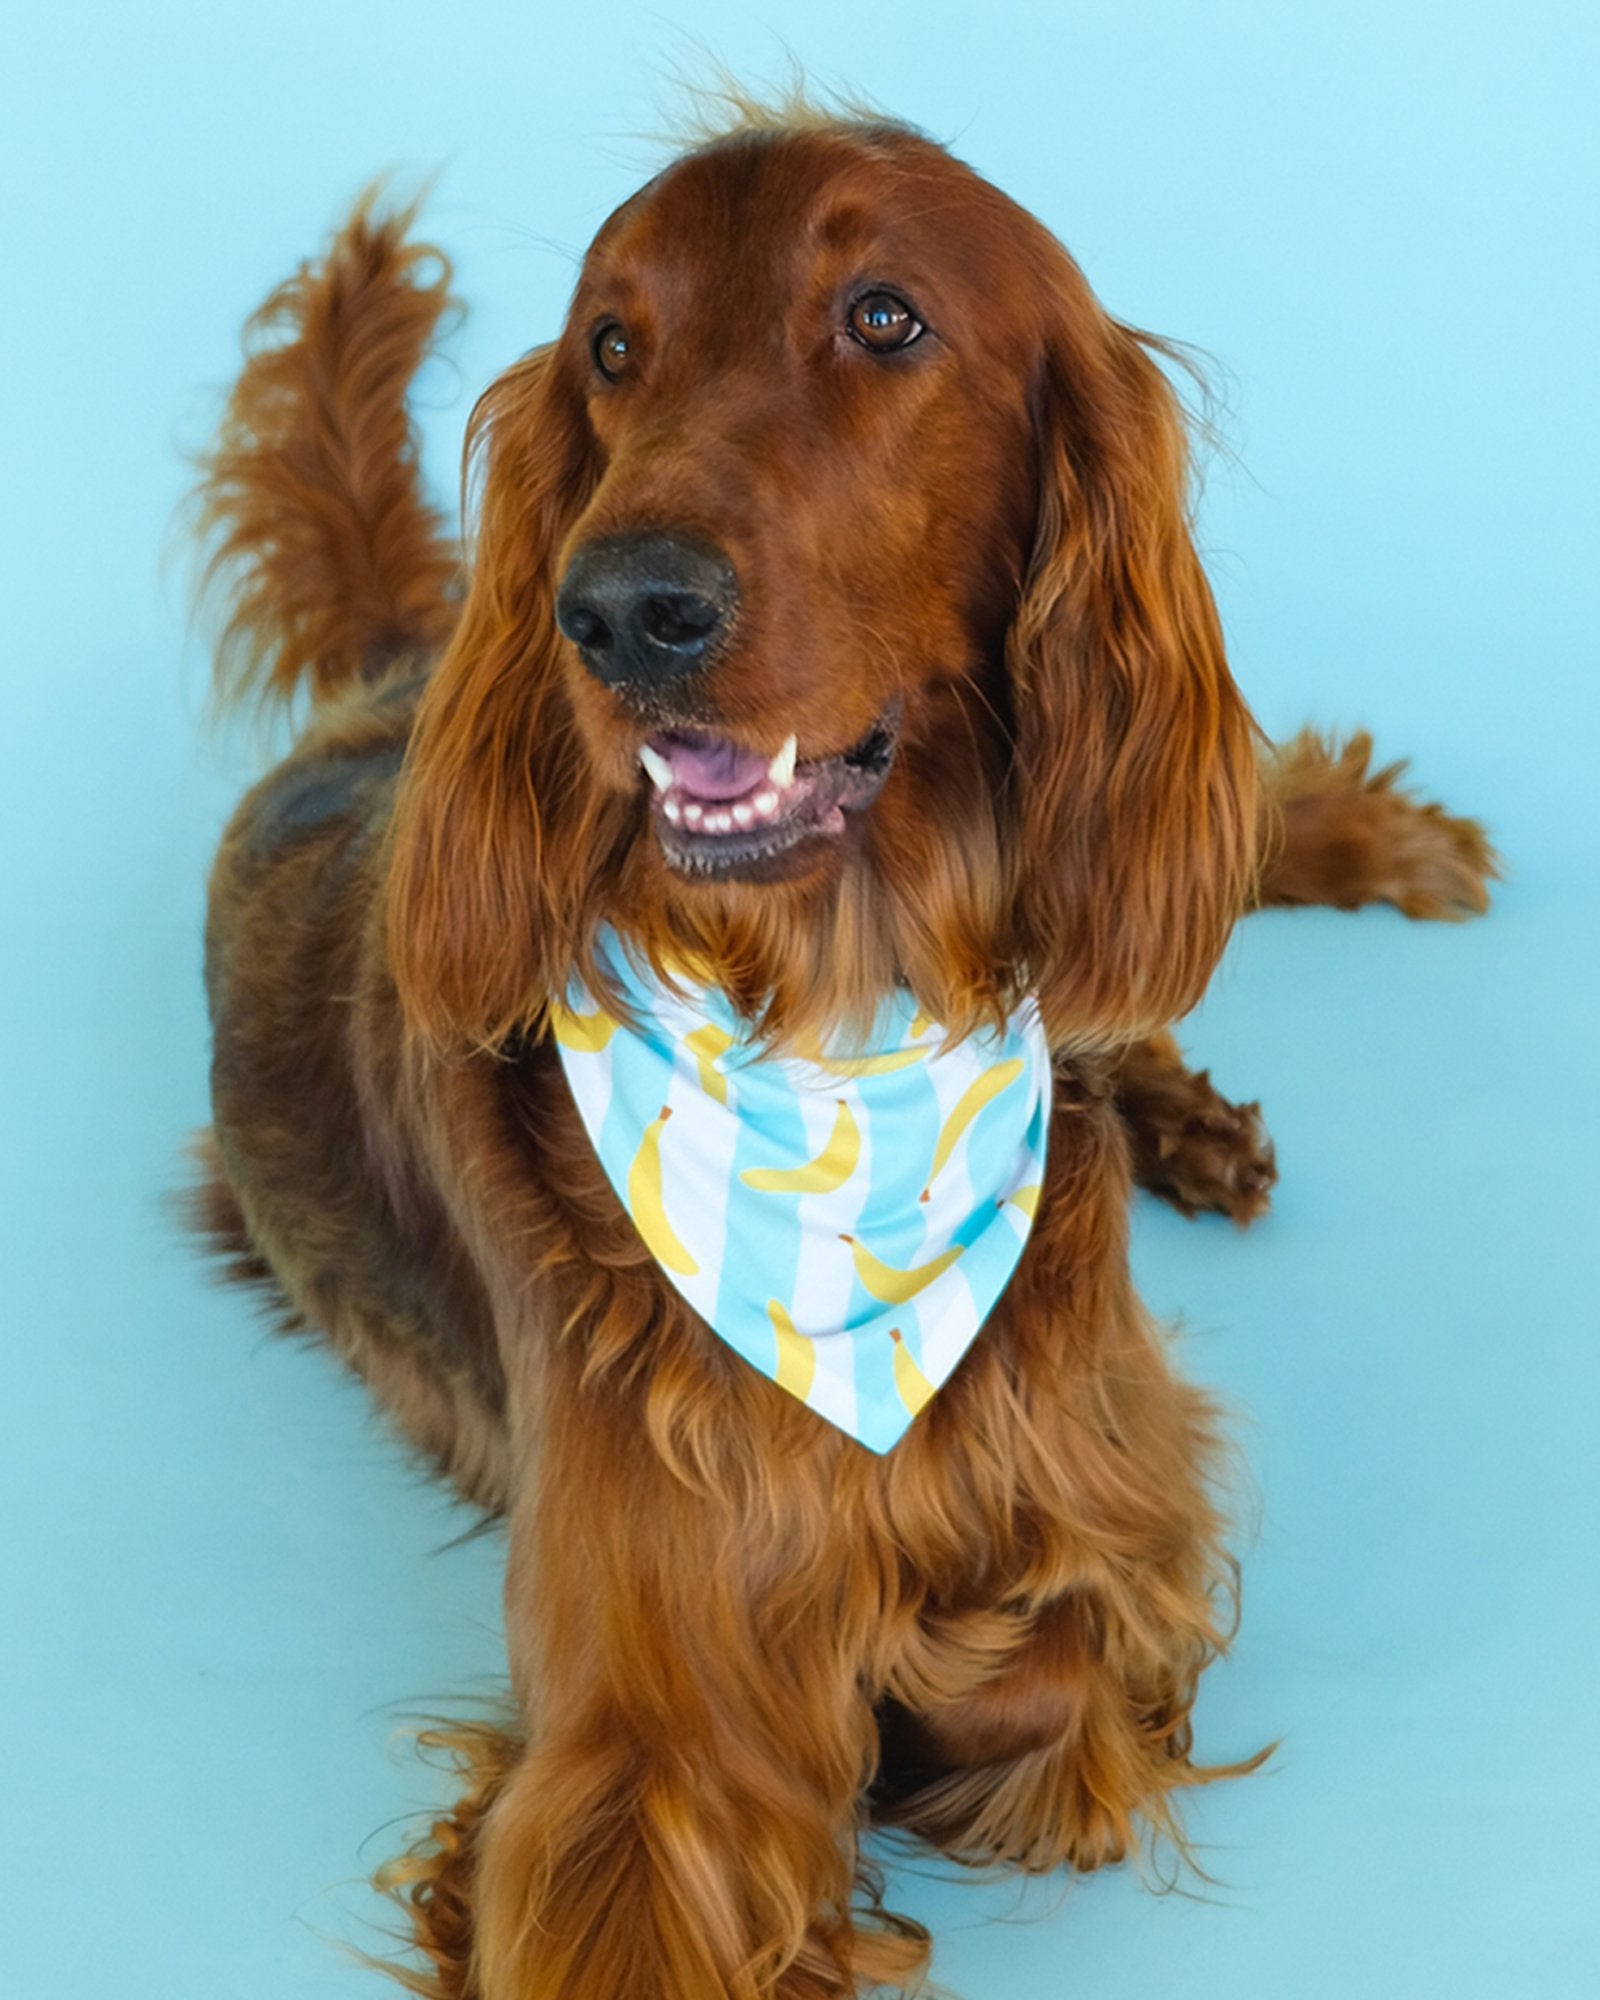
x: 845, y: 1221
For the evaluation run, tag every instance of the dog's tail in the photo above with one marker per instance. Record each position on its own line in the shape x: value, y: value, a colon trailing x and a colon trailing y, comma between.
x: 330, y: 562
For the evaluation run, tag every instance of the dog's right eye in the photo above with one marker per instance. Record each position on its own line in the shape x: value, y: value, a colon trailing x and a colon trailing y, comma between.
x: 883, y: 322
x: 612, y: 349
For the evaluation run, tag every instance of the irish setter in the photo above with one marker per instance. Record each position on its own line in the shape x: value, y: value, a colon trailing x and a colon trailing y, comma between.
x: 833, y: 630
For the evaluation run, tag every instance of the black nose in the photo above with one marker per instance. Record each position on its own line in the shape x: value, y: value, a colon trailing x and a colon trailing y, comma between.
x: 647, y: 608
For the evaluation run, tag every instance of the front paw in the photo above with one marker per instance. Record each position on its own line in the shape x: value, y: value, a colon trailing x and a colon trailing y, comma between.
x: 1200, y: 1153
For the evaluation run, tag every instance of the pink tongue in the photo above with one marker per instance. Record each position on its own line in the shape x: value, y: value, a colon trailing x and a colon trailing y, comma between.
x: 710, y: 767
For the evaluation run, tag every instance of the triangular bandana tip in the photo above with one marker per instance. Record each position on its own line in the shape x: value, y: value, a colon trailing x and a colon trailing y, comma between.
x: 845, y: 1220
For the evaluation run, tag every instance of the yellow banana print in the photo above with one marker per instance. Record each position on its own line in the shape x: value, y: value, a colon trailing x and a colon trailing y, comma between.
x: 645, y: 1204
x: 831, y: 1168
x: 895, y: 1286
x: 913, y: 1385
x: 797, y: 1354
x: 981, y: 1091
x: 1026, y: 1198
x: 586, y: 1032
x: 810, y: 1050
x: 706, y: 1045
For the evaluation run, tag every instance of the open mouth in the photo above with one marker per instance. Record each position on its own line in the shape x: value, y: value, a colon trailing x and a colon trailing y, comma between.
x: 718, y: 806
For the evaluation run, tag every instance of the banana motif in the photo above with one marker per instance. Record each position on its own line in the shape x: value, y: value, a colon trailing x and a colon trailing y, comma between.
x: 914, y: 1387
x: 797, y: 1354
x: 831, y: 1168
x: 809, y: 1049
x: 588, y: 1033
x: 645, y: 1203
x: 706, y: 1045
x: 895, y: 1286
x: 981, y: 1091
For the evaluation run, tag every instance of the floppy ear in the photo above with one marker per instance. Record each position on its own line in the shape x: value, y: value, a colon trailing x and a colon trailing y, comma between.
x: 1135, y: 754
x: 499, y: 835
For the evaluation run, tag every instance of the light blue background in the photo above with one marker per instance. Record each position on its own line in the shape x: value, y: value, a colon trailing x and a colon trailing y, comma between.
x: 222, y: 1594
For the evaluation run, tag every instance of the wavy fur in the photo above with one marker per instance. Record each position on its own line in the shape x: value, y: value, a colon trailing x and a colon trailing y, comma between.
x: 329, y: 560
x: 737, y: 1637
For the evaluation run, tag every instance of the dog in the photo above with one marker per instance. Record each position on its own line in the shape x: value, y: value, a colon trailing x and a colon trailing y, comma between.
x: 833, y: 669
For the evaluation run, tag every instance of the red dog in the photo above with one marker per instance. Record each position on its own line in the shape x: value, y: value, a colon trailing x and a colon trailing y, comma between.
x: 834, y: 630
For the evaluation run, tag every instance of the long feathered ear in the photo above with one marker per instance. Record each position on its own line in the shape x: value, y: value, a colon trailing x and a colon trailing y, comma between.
x: 500, y: 833
x: 1135, y: 754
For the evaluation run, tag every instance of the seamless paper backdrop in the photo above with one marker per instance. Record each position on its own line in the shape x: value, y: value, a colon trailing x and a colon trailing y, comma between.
x: 224, y: 1591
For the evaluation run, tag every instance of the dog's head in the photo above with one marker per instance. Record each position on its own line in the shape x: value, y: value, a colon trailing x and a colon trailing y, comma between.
x: 834, y: 620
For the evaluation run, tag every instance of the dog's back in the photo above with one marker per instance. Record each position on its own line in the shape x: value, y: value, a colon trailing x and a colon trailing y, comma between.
x: 339, y: 580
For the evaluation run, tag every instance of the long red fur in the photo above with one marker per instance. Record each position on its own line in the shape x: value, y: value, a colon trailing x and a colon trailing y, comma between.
x: 735, y: 1635
x: 332, y: 561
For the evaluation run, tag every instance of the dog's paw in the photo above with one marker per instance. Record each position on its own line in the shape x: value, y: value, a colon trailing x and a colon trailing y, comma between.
x: 1200, y: 1153
x: 1431, y: 864
x: 1343, y: 834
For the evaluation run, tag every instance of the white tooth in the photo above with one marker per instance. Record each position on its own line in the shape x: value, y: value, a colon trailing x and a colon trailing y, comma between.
x: 718, y: 822
x: 693, y: 812
x: 742, y: 813
x: 672, y: 809
x: 657, y: 765
x: 781, y: 769
x: 765, y: 802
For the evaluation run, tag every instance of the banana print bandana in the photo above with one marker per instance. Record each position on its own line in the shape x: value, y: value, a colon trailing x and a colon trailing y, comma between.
x: 845, y: 1221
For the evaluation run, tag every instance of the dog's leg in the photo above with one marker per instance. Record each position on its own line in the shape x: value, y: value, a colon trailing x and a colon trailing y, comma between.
x: 1047, y: 1721
x: 681, y: 1823
x: 433, y: 1883
x: 1338, y: 832
x: 1190, y: 1145
x: 1062, y: 1754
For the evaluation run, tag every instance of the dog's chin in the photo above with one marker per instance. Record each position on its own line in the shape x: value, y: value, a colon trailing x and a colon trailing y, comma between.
x: 722, y: 813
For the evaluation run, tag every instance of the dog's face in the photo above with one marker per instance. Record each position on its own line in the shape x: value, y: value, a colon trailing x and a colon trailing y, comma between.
x: 809, y: 390
x: 834, y: 623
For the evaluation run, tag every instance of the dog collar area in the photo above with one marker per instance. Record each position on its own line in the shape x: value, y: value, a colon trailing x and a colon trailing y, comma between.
x: 844, y: 1218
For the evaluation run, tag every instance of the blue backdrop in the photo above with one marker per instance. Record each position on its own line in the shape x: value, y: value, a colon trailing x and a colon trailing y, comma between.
x: 223, y: 1589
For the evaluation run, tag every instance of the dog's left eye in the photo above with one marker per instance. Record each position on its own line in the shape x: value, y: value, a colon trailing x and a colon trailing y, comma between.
x: 883, y: 321
x: 612, y: 349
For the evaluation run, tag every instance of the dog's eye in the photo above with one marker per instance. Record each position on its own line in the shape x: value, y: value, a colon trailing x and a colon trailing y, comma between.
x: 883, y: 322
x: 612, y: 349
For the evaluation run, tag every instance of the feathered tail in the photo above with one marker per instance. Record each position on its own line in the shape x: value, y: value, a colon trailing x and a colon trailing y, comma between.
x: 330, y: 561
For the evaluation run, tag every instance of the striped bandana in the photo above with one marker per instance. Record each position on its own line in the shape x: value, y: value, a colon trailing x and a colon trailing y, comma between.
x: 845, y: 1222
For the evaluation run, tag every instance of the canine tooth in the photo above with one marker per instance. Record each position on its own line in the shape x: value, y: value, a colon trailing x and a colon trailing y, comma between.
x: 742, y: 814
x: 659, y: 768
x: 672, y: 809
x: 693, y: 812
x: 781, y: 769
x: 765, y: 802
